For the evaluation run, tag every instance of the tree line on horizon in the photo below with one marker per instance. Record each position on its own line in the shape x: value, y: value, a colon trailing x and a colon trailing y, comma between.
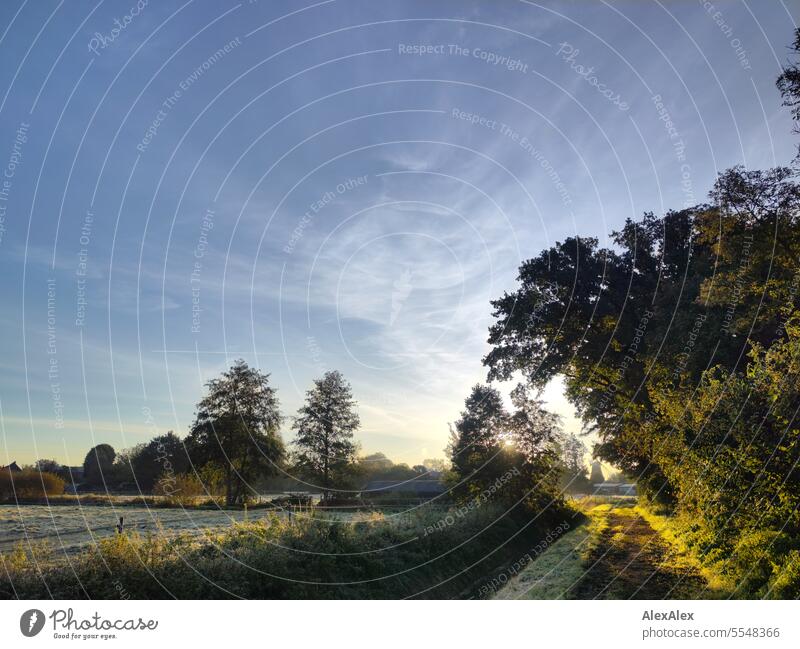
x: 234, y: 447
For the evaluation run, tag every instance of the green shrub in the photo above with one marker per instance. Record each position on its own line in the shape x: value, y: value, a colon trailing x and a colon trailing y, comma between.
x: 786, y: 581
x: 755, y: 558
x: 182, y: 489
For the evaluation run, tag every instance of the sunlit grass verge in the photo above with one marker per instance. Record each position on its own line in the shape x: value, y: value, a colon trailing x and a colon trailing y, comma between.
x: 413, y: 555
x: 674, y: 532
x: 554, y: 573
x: 761, y: 564
x: 598, y: 524
x: 558, y: 570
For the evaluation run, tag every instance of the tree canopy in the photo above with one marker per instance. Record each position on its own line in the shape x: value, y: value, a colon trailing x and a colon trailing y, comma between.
x: 622, y: 324
x: 97, y: 465
x: 236, y: 428
x: 325, y: 425
x: 164, y: 454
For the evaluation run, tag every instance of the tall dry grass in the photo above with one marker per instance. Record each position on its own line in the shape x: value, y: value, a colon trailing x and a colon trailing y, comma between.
x: 28, y: 484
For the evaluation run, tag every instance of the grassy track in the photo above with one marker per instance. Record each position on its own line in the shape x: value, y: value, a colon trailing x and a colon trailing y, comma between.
x: 617, y: 554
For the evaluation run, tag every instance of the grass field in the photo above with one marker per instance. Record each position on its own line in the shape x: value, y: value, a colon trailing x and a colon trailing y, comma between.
x: 68, y: 528
x: 423, y: 553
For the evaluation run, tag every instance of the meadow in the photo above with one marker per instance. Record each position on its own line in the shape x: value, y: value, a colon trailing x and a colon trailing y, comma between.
x: 431, y: 553
x: 70, y: 527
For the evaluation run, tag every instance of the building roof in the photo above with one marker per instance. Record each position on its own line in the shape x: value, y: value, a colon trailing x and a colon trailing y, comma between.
x: 413, y: 486
x: 615, y: 486
x: 11, y: 467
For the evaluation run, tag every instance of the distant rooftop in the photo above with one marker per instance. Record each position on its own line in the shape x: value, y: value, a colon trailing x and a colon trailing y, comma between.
x: 414, y: 486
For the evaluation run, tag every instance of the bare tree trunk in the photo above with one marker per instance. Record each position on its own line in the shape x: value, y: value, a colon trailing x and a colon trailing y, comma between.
x: 326, y: 480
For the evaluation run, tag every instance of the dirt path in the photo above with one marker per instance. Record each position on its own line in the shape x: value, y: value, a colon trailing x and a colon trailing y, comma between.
x: 630, y: 560
x: 616, y: 555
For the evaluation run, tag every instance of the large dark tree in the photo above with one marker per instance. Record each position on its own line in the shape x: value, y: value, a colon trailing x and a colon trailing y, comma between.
x: 476, y: 440
x: 98, y: 465
x: 674, y: 296
x: 325, y: 425
x: 483, y: 422
x: 163, y: 455
x: 237, y: 429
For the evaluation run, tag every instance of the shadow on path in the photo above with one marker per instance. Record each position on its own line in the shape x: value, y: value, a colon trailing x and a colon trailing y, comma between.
x: 630, y: 560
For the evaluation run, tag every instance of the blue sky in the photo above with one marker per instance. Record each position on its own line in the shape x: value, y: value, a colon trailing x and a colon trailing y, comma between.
x: 305, y: 187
